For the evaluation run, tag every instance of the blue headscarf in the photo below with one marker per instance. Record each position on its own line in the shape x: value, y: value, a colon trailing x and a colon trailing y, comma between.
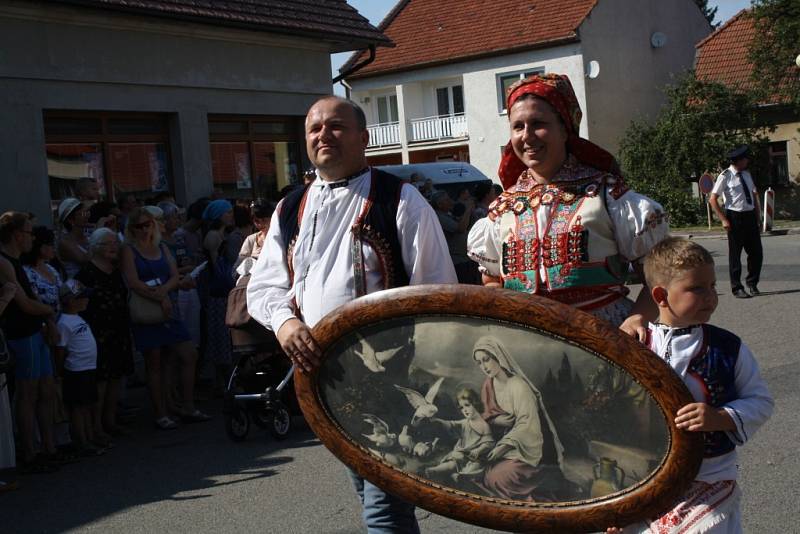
x: 216, y: 209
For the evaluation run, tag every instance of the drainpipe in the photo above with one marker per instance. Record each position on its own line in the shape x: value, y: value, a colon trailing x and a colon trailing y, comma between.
x: 356, y: 67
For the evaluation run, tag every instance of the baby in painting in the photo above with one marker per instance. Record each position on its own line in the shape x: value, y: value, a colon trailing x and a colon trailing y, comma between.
x: 475, y: 439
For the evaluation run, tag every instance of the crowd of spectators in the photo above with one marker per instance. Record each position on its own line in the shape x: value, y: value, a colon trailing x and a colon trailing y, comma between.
x: 113, y: 281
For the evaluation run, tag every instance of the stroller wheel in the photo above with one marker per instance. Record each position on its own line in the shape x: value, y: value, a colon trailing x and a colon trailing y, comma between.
x: 237, y: 424
x: 280, y: 421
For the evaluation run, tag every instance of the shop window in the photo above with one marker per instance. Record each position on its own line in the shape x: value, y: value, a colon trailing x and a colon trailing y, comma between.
x: 255, y: 157
x: 123, y: 152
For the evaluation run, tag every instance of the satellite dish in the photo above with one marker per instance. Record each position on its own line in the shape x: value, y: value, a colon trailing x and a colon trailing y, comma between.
x: 593, y: 69
x: 658, y: 39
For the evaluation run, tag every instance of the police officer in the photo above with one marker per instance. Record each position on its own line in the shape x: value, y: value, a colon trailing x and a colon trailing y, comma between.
x: 740, y: 220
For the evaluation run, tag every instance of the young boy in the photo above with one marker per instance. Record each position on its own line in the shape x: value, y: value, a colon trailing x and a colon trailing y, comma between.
x: 720, y: 372
x: 76, y: 358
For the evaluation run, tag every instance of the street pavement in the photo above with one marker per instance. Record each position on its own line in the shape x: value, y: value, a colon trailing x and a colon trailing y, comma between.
x: 195, y: 480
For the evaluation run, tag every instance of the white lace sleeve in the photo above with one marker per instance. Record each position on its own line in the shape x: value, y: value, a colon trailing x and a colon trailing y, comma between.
x: 639, y: 224
x: 483, y: 246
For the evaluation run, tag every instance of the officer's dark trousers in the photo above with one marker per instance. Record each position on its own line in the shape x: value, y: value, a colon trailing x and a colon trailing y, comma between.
x: 744, y: 234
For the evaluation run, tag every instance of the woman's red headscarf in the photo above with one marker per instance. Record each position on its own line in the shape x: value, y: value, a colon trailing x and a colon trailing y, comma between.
x: 557, y: 90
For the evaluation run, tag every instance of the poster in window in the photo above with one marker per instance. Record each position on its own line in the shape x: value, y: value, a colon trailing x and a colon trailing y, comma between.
x: 498, y: 408
x: 243, y: 179
x: 158, y: 170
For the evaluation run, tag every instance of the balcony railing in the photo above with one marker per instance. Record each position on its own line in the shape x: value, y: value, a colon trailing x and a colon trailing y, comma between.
x: 442, y: 127
x: 386, y: 134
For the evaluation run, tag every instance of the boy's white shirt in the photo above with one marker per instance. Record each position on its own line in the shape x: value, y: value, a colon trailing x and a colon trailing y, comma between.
x: 749, y: 411
x: 77, y: 338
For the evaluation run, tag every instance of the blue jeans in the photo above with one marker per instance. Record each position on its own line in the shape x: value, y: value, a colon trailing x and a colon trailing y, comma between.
x: 384, y: 513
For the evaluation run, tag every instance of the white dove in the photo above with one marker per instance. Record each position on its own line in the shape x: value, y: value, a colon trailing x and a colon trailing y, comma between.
x: 380, y: 431
x: 374, y: 360
x: 423, y: 449
x: 405, y: 440
x: 423, y: 406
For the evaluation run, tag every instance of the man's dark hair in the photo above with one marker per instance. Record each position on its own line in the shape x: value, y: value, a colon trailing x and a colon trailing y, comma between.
x: 361, y: 118
x: 262, y: 209
x: 481, y: 190
x: 197, y: 208
x: 41, y: 236
x: 10, y: 222
x: 498, y: 189
x: 100, y: 209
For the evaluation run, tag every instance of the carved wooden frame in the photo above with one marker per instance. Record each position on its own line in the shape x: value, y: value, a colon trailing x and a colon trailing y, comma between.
x: 645, y: 499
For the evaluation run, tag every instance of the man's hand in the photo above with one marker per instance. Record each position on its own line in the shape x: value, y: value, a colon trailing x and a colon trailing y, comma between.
x: 700, y: 417
x: 726, y: 224
x: 636, y: 327
x: 299, y: 345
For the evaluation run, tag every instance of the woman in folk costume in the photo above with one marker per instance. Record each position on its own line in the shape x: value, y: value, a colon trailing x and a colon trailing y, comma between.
x: 566, y: 226
x: 525, y: 464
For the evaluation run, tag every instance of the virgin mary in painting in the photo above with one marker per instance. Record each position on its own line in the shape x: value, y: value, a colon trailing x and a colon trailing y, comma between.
x: 526, y: 462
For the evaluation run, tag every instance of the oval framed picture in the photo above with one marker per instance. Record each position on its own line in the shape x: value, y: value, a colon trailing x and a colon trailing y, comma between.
x: 499, y: 409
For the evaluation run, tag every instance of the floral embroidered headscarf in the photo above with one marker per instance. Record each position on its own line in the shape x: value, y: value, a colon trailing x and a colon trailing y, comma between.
x: 557, y: 91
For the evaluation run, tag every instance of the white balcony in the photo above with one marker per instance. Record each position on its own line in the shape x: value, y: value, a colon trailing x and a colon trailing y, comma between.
x: 440, y: 128
x: 386, y: 134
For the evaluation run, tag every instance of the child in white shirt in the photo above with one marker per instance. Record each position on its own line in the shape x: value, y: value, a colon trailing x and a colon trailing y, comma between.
x: 76, y: 358
x: 722, y: 375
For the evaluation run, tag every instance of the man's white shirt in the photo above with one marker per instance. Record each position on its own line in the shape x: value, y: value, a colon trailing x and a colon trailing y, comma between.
x: 731, y: 188
x: 323, y: 256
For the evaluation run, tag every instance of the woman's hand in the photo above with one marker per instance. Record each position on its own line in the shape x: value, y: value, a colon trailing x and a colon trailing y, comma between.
x: 498, y: 452
x: 636, y: 327
x: 166, y: 307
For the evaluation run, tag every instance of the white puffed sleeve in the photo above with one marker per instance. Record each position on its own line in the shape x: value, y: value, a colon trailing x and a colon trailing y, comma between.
x: 639, y: 224
x: 483, y: 246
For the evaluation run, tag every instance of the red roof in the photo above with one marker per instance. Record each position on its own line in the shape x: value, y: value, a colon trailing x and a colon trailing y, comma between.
x: 430, y: 32
x: 328, y: 20
x: 723, y: 56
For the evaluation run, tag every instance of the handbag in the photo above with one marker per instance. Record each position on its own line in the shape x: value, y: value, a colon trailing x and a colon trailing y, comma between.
x: 143, y: 310
x: 236, y: 314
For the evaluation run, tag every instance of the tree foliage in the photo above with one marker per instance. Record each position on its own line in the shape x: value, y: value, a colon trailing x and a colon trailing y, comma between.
x: 708, y: 12
x: 775, y: 48
x: 699, y: 124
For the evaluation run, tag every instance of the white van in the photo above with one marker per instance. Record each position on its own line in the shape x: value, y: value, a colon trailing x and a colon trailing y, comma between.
x: 448, y: 176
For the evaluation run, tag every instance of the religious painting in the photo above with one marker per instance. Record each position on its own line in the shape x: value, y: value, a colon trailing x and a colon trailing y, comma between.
x: 493, y: 407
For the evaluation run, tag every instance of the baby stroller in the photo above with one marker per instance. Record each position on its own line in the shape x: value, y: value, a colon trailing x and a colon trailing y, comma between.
x: 260, y: 388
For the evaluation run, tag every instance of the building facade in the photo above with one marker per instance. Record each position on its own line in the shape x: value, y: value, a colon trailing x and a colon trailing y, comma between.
x: 180, y: 98
x: 439, y: 94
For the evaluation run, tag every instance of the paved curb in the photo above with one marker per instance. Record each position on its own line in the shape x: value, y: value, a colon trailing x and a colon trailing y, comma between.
x: 718, y: 234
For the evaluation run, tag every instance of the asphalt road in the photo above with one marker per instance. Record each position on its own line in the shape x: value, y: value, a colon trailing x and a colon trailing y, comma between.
x: 196, y: 480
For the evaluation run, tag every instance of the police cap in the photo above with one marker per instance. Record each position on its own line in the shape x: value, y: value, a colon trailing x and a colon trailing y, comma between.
x: 742, y: 151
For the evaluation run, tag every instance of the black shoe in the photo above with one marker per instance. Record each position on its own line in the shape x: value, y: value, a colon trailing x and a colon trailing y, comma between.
x: 740, y: 294
x: 754, y: 290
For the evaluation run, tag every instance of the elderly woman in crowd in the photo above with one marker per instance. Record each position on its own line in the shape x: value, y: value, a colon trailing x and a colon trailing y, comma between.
x: 217, y: 282
x: 566, y: 227
x: 150, y: 271
x: 73, y: 245
x: 107, y: 315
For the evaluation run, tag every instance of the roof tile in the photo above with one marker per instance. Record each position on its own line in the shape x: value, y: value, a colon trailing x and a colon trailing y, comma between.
x: 324, y: 18
x: 428, y: 32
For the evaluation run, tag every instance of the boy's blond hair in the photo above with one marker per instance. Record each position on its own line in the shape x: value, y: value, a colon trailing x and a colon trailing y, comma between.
x: 671, y: 258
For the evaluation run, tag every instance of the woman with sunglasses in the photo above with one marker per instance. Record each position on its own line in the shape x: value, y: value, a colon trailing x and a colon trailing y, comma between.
x: 150, y: 271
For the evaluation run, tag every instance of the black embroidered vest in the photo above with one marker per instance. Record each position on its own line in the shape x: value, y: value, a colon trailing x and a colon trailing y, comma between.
x: 376, y: 226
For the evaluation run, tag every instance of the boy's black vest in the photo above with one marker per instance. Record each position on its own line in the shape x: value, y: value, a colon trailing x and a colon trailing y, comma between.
x: 375, y: 226
x: 715, y: 365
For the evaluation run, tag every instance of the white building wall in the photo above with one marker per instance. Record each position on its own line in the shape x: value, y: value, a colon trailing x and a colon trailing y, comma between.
x: 488, y: 125
x: 633, y: 73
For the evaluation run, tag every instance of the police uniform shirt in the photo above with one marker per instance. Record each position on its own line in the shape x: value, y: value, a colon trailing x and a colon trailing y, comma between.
x: 730, y: 185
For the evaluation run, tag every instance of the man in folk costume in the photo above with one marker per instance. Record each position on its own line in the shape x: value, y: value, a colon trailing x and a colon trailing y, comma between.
x: 354, y: 230
x: 566, y: 227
